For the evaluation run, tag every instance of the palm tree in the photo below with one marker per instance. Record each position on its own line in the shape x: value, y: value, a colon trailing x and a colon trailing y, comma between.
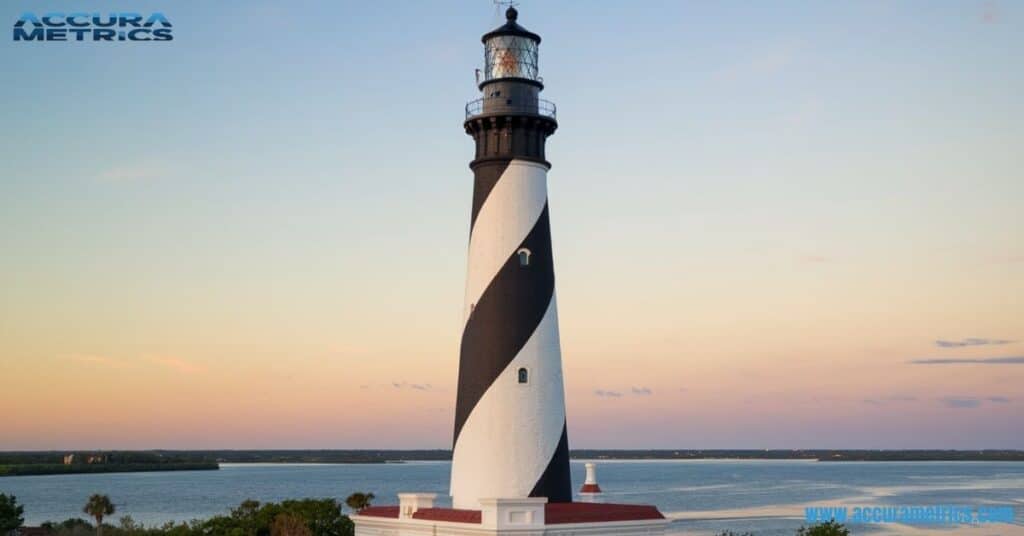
x: 358, y: 501
x: 98, y: 507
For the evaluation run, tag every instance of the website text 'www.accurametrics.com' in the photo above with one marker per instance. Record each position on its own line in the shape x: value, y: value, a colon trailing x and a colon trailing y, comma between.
x: 945, y: 514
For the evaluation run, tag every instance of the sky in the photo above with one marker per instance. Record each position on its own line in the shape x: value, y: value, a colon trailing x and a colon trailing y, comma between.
x: 775, y: 224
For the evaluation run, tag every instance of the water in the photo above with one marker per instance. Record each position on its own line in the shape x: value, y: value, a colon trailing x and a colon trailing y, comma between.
x: 702, y: 496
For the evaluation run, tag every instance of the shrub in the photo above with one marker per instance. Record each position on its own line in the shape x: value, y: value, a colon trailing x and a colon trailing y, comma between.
x: 831, y: 528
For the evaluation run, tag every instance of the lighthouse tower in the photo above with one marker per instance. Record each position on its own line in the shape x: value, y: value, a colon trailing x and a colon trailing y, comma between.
x: 510, y: 433
x: 510, y: 460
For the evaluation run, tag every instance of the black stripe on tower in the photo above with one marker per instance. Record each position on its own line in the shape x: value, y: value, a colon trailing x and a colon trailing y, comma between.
x: 556, y: 482
x: 507, y: 314
x: 485, y: 176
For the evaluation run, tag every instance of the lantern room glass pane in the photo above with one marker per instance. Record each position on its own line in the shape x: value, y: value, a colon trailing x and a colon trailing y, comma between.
x: 510, y: 56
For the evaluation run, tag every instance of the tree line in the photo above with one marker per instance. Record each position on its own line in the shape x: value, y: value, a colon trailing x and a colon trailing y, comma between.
x: 295, y: 517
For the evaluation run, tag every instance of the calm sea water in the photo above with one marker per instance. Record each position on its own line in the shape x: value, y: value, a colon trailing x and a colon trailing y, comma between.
x: 702, y: 497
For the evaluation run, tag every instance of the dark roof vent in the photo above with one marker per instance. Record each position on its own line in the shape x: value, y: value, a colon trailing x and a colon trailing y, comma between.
x: 511, y: 27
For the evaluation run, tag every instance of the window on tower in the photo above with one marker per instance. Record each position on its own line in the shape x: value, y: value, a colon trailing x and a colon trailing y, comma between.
x: 524, y: 376
x: 524, y: 257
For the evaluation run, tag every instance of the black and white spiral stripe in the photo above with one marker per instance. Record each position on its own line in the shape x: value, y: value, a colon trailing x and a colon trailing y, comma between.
x: 510, y: 437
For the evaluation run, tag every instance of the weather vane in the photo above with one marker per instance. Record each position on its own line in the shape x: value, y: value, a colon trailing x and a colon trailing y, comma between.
x: 505, y: 3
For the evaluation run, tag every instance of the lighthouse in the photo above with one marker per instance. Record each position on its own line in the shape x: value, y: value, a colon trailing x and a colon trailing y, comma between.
x: 510, y: 454
x: 510, y: 435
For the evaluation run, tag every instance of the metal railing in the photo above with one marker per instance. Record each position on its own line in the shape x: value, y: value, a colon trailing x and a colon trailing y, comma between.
x: 502, y: 105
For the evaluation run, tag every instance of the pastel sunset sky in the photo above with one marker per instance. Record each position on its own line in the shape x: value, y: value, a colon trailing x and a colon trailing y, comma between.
x: 776, y: 224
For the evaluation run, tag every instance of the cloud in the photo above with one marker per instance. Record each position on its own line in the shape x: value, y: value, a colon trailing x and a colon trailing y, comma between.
x: 960, y: 402
x: 94, y: 360
x: 971, y: 402
x: 881, y: 401
x: 970, y: 341
x: 1016, y: 360
x: 179, y: 365
x: 636, y: 391
x: 416, y: 386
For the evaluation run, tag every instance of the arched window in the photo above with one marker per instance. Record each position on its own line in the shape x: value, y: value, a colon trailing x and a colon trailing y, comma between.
x: 524, y: 256
x: 524, y: 376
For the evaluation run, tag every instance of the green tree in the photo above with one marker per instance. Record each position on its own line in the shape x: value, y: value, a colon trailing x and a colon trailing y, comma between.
x: 98, y: 507
x: 831, y: 528
x: 286, y: 524
x: 245, y: 517
x: 358, y: 500
x: 75, y: 526
x: 320, y: 517
x: 127, y: 525
x: 10, y: 513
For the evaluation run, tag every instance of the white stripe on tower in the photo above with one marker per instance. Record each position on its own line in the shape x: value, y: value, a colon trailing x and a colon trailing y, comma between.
x: 506, y: 217
x: 512, y: 433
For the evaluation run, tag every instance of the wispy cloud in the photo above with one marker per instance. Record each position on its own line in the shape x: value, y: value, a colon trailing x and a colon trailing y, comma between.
x: 179, y: 365
x: 416, y: 386
x: 1015, y: 360
x: 971, y: 341
x: 960, y: 402
x: 642, y: 391
x: 91, y: 359
x: 607, y: 394
x: 883, y: 400
x: 971, y: 402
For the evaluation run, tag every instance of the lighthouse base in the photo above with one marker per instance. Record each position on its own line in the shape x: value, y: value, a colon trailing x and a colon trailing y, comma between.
x: 416, y: 516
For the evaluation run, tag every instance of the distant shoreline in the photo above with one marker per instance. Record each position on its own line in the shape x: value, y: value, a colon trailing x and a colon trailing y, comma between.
x: 19, y: 464
x: 50, y: 462
x: 37, y: 469
x: 819, y: 455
